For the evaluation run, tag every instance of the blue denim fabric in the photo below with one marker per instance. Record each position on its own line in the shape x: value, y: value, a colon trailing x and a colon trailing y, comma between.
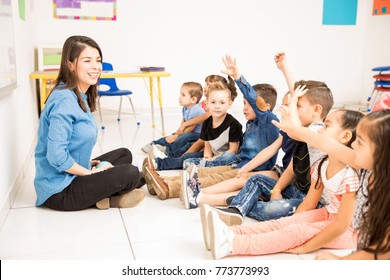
x: 175, y: 163
x: 247, y: 200
x: 259, y: 133
x: 221, y: 160
x: 180, y: 146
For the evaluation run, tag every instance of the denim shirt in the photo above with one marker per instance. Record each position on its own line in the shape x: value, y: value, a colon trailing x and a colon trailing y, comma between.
x: 66, y: 135
x: 259, y: 133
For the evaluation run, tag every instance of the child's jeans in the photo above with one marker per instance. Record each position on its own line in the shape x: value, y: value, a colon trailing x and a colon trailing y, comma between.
x: 222, y: 160
x: 171, y: 163
x: 247, y: 200
x: 181, y: 144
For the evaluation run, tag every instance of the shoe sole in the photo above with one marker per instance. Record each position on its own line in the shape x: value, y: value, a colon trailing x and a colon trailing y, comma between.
x: 183, y: 189
x: 230, y: 219
x: 210, y: 223
x: 204, y: 211
x: 103, y: 204
x: 128, y: 200
x: 160, y: 192
x: 145, y: 163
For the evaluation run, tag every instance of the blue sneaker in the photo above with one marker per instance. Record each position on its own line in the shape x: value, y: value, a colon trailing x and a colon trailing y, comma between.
x: 192, y: 187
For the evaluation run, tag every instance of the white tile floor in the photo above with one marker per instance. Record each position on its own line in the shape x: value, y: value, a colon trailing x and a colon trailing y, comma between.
x: 154, y: 229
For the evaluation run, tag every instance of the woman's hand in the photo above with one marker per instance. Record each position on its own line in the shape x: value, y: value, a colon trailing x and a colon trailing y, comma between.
x: 102, y: 168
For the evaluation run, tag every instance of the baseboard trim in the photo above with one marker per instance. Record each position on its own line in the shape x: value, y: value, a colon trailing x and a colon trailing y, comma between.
x: 15, y: 186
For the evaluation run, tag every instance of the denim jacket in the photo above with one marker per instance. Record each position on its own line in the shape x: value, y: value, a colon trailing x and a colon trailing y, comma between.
x: 259, y: 133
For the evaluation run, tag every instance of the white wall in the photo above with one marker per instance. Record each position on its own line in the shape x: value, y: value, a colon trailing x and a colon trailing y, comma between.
x: 189, y: 38
x: 18, y: 113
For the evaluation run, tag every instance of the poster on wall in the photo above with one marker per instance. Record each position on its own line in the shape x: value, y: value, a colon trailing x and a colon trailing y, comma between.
x: 85, y: 9
x: 339, y: 12
x: 381, y: 7
x: 7, y: 48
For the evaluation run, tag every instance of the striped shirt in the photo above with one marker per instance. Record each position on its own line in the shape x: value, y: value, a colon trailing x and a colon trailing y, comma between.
x: 345, y: 181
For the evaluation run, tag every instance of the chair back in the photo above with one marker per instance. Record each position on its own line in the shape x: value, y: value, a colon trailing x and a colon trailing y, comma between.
x: 110, y: 82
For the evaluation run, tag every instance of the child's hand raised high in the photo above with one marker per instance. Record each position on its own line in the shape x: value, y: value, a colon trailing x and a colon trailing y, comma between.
x: 231, y: 67
x: 289, y: 114
x: 280, y: 60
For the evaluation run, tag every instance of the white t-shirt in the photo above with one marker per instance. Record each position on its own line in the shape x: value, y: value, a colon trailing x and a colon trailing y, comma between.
x: 345, y: 181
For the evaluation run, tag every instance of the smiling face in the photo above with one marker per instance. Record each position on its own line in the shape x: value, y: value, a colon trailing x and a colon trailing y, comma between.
x: 88, y: 67
x: 219, y: 102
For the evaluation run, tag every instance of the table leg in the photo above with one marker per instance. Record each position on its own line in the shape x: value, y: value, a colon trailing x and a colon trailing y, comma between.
x: 161, y: 105
x: 43, y: 93
x: 151, y: 99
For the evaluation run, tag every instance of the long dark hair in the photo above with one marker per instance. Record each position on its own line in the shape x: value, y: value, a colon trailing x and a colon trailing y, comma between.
x: 375, y: 227
x: 71, y: 51
x: 349, y: 119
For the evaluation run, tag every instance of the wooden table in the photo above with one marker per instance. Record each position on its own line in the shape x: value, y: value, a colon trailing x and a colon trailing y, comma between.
x: 47, y: 76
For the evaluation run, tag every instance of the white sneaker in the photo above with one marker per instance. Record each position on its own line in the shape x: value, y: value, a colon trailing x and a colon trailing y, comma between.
x: 221, y: 237
x: 156, y: 153
x: 204, y: 212
x: 146, y: 148
x: 162, y: 148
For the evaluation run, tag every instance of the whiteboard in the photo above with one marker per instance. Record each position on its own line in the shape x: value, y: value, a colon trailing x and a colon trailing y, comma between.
x: 7, y: 49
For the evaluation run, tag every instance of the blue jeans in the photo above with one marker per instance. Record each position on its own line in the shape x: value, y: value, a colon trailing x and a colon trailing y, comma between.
x: 221, y: 160
x: 170, y: 163
x: 180, y: 146
x: 247, y: 200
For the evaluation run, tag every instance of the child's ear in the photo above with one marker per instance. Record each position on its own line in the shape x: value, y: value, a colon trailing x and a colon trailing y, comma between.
x: 194, y: 100
x: 346, y: 137
x: 318, y: 109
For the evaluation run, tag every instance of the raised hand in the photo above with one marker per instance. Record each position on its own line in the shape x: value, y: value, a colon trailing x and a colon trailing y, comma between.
x: 280, y: 60
x: 231, y: 67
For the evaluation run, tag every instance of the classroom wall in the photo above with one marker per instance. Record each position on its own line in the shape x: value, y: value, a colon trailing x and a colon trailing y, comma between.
x: 18, y: 114
x: 189, y: 39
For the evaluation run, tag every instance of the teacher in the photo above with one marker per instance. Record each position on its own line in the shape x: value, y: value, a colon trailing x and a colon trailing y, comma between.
x: 66, y: 179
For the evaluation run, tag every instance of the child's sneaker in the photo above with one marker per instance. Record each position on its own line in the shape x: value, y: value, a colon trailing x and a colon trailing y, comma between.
x: 147, y: 148
x: 156, y: 153
x: 231, y: 216
x: 204, y: 212
x: 192, y: 187
x: 221, y: 237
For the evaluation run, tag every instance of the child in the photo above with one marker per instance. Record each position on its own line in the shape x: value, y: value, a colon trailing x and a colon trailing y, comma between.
x: 221, y: 132
x: 371, y: 154
x: 294, y: 183
x: 176, y: 144
x: 308, y: 229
